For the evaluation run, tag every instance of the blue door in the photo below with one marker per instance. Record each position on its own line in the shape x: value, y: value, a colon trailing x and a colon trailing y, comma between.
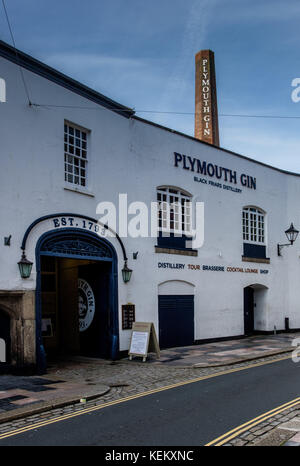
x: 176, y: 320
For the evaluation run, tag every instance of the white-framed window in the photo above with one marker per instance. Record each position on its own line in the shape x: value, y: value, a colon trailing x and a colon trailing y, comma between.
x: 174, y: 210
x: 254, y: 225
x: 75, y: 154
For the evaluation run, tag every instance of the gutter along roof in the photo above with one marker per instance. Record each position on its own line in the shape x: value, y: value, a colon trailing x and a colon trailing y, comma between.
x: 37, y: 67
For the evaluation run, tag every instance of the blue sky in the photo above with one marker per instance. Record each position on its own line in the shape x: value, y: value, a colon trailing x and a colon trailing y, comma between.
x: 142, y: 55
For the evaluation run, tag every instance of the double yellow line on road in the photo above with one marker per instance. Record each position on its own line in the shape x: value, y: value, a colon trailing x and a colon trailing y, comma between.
x: 225, y: 438
x: 65, y: 417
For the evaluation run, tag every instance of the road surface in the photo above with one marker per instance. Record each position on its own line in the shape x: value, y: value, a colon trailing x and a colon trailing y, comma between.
x: 189, y: 415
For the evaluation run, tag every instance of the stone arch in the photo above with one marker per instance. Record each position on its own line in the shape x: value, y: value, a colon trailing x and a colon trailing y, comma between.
x: 18, y: 307
x: 10, y: 311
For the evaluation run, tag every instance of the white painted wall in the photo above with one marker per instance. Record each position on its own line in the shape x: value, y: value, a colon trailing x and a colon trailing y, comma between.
x: 133, y: 157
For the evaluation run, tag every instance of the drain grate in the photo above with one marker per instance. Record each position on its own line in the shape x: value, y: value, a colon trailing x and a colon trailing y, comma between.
x: 118, y: 385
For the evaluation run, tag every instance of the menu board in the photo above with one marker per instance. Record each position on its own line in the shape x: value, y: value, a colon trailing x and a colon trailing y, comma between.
x: 128, y: 316
x: 139, y: 343
x: 143, y: 340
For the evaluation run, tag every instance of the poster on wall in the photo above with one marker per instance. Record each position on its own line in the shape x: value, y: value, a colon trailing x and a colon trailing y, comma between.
x: 86, y: 304
x: 47, y: 327
x: 143, y: 340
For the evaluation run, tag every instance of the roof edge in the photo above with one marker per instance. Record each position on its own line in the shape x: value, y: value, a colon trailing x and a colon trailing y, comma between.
x: 31, y: 64
x: 245, y: 157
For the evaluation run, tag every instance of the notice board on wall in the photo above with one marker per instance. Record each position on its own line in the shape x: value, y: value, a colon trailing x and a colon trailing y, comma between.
x: 128, y: 316
x: 143, y: 340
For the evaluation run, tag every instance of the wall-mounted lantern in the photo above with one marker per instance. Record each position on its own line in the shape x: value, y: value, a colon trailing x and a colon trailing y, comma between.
x: 25, y: 266
x: 126, y: 273
x: 291, y: 234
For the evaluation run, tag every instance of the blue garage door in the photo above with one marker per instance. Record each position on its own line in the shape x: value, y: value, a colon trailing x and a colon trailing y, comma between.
x: 176, y: 320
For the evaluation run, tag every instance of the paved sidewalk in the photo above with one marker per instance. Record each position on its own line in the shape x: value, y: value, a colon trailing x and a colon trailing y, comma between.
x: 69, y: 381
x: 280, y: 430
x: 226, y: 352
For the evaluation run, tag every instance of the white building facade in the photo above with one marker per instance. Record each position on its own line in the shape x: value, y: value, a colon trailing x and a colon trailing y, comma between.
x: 72, y: 149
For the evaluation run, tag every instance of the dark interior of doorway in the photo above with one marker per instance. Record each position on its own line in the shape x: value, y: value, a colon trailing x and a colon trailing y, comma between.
x: 248, y: 310
x: 75, y: 307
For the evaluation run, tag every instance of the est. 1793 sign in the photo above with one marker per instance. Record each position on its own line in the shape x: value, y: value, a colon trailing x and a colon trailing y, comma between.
x: 77, y: 222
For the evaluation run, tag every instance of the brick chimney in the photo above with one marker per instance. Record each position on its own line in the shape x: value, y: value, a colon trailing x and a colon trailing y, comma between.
x: 206, y: 109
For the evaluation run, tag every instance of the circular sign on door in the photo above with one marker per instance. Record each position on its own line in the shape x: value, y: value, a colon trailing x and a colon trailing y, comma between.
x: 86, y: 304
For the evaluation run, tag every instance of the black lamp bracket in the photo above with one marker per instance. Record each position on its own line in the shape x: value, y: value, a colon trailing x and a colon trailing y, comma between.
x: 280, y: 246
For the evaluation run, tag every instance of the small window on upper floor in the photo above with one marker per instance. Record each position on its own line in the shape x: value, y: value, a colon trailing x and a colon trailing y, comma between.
x: 254, y: 233
x: 75, y: 155
x: 174, y: 217
x: 174, y: 210
x: 253, y: 225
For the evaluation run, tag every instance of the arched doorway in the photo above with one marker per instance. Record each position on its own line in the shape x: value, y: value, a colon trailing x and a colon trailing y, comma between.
x: 255, y: 308
x: 4, y: 338
x: 76, y: 295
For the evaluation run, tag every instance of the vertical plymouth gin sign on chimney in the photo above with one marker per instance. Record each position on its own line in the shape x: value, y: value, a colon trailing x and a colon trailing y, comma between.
x: 206, y: 110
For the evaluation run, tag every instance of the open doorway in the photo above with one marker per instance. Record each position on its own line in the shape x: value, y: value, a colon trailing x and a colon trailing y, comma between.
x: 76, y: 296
x: 248, y: 310
x: 255, y: 308
x: 75, y: 307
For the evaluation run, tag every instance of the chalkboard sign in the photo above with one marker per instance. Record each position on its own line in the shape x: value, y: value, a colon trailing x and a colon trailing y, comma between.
x: 143, y: 340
